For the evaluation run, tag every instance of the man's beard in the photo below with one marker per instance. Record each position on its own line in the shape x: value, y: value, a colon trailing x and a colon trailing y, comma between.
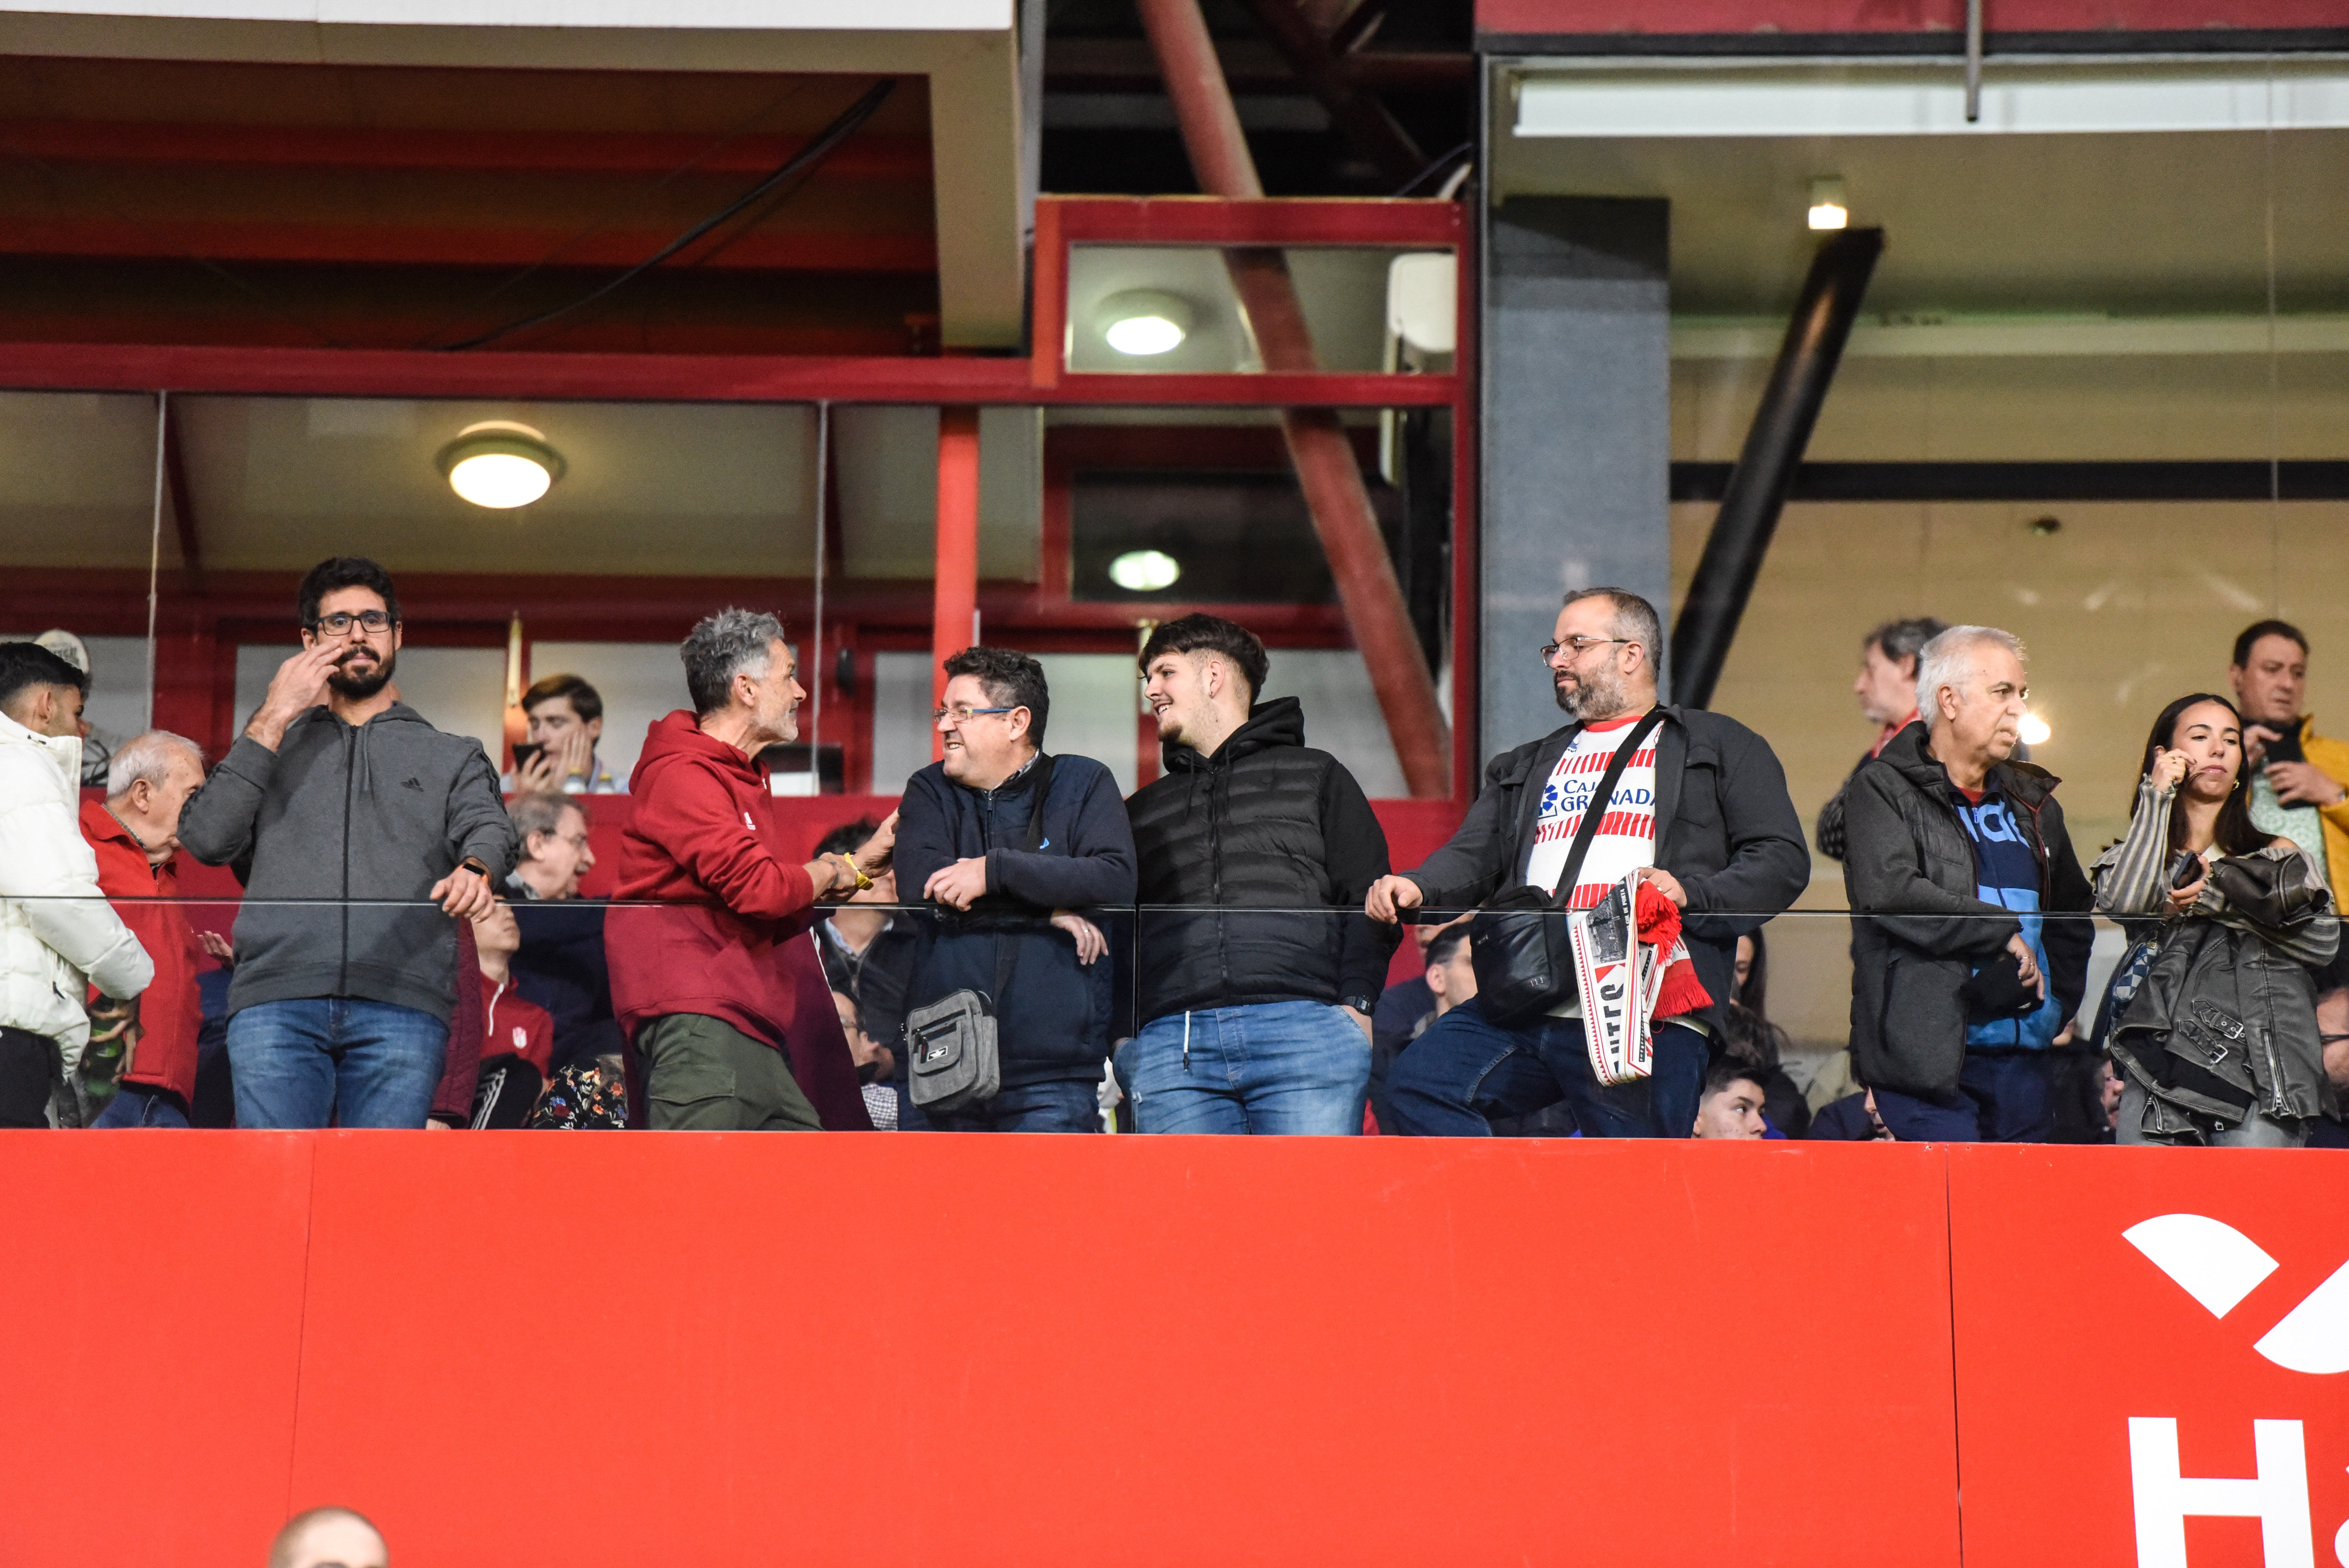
x: 1590, y: 698
x: 361, y: 687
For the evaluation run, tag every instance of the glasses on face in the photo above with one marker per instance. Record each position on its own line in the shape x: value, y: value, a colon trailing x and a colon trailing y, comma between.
x: 340, y: 623
x: 1577, y: 647
x: 964, y: 714
x: 576, y: 841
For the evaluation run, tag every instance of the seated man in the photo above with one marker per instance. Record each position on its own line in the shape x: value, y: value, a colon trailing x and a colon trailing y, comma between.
x: 135, y: 833
x: 567, y: 719
x: 518, y: 1036
x: 1730, y: 1106
x: 561, y: 964
x: 869, y: 956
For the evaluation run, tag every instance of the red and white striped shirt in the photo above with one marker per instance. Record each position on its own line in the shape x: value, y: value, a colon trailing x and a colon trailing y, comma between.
x: 1627, y: 834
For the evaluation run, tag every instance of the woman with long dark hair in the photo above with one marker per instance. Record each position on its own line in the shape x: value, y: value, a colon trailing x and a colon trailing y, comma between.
x: 2216, y: 1035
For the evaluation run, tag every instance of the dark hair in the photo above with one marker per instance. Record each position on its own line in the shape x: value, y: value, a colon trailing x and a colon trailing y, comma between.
x: 847, y: 838
x: 1727, y: 1070
x: 1011, y: 679
x: 1902, y: 641
x: 1754, y: 995
x: 2233, y: 833
x: 1747, y: 1037
x: 1635, y: 620
x: 1212, y: 634
x: 2250, y: 634
x: 346, y: 572
x: 1446, y: 942
x: 585, y: 700
x: 24, y: 666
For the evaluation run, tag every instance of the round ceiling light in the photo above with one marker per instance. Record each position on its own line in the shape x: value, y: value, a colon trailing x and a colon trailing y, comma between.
x: 1145, y: 570
x: 1145, y: 322
x: 500, y: 465
x: 2033, y: 730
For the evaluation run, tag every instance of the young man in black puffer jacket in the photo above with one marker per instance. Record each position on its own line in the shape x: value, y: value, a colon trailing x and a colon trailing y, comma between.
x: 1256, y: 1008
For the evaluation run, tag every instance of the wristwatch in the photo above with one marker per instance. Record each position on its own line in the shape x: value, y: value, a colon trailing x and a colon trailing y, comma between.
x: 475, y: 864
x: 863, y: 880
x: 1364, y: 1005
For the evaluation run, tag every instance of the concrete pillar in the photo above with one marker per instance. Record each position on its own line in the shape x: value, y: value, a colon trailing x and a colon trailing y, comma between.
x: 1578, y: 438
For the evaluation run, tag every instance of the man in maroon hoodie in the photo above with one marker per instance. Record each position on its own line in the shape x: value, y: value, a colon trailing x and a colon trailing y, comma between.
x: 712, y: 990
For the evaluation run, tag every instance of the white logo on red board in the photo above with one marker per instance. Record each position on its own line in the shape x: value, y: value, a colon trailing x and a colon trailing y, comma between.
x: 2218, y: 1265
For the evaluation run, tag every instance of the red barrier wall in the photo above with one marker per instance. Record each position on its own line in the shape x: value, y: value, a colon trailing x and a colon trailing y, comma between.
x: 937, y: 1350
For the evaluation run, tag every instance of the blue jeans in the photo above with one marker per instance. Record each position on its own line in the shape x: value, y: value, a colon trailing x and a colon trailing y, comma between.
x: 1067, y: 1106
x: 140, y: 1105
x: 1466, y: 1069
x: 1271, y: 1068
x: 335, y: 1059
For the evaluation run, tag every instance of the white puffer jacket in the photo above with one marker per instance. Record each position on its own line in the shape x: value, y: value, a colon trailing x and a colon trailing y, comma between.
x: 55, y: 929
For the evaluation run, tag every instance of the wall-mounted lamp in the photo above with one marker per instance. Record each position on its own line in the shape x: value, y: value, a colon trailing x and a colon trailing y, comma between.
x: 1144, y: 321
x: 500, y: 464
x: 1828, y: 208
x: 1145, y: 570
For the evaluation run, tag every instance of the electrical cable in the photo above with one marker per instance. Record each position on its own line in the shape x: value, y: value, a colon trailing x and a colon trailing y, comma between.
x: 1414, y: 182
x: 806, y: 158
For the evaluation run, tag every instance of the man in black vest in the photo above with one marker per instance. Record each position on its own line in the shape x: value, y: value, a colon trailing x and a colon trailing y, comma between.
x: 1012, y: 879
x: 1258, y: 1015
x: 1699, y: 808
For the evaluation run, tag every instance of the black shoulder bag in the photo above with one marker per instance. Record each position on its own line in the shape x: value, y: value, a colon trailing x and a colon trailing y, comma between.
x: 1518, y: 943
x: 954, y: 1056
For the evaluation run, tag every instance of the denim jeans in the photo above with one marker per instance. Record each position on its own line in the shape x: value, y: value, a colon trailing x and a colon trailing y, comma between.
x: 1467, y: 1069
x: 1271, y: 1068
x: 1070, y: 1105
x: 142, y: 1104
x: 335, y: 1059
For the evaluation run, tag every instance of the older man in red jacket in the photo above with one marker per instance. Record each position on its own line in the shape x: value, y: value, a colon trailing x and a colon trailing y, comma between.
x: 712, y: 991
x: 134, y: 833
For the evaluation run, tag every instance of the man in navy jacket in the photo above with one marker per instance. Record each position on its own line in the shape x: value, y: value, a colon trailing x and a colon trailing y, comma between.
x: 963, y: 832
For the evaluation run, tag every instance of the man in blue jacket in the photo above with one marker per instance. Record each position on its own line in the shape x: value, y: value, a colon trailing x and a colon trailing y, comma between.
x: 963, y: 832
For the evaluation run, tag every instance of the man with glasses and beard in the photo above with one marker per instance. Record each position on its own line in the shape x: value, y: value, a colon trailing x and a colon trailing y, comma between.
x: 1700, y: 810
x: 347, y: 818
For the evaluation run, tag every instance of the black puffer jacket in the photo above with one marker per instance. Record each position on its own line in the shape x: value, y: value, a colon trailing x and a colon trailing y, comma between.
x: 1908, y: 865
x: 1265, y: 823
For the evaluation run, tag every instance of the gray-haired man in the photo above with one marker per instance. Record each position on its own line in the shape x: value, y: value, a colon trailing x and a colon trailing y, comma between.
x: 712, y: 991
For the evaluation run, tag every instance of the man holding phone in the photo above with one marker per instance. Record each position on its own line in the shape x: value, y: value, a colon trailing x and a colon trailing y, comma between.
x: 2299, y: 790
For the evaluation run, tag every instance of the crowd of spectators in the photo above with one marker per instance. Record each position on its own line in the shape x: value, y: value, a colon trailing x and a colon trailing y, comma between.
x: 1017, y: 948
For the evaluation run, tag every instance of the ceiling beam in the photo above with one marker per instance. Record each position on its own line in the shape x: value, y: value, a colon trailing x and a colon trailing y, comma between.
x: 864, y: 157
x: 769, y: 248
x: 1359, y: 117
x: 183, y: 505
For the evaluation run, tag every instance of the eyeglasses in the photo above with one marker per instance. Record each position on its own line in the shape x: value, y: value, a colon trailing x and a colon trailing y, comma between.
x: 965, y: 714
x: 1577, y: 646
x: 339, y: 624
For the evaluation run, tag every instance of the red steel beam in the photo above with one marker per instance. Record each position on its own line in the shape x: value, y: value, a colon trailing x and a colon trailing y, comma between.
x: 1324, y: 459
x: 864, y: 157
x: 956, y: 600
x: 769, y: 248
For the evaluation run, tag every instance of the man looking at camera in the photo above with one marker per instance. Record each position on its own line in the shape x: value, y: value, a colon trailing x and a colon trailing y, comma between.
x: 347, y: 817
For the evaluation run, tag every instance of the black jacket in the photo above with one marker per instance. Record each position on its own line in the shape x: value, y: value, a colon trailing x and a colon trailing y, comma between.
x: 1725, y: 828
x: 561, y: 966
x: 1909, y: 864
x: 1265, y: 823
x: 1055, y: 1022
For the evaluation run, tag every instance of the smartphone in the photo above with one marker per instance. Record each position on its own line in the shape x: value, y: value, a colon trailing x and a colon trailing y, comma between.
x: 2186, y: 870
x: 524, y: 750
x: 2284, y: 747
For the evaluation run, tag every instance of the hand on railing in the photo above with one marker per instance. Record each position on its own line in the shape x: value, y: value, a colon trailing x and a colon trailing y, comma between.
x: 1389, y: 896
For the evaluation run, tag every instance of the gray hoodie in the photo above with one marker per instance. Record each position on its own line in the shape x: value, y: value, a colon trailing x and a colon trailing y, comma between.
x: 382, y: 812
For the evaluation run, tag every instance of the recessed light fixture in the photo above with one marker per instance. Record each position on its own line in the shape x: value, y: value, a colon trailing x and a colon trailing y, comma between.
x: 1828, y: 208
x: 1145, y: 322
x: 500, y: 465
x: 2033, y: 730
x: 1145, y: 570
